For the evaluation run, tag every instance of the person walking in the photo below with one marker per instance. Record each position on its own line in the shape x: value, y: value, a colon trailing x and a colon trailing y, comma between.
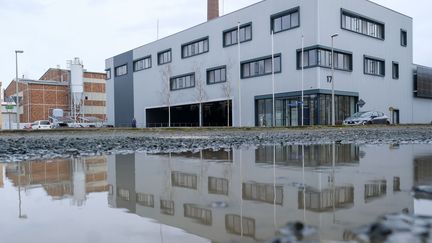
x: 133, y: 123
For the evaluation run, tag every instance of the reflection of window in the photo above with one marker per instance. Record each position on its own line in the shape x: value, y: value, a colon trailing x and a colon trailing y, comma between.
x: 204, y: 216
x: 123, y: 194
x: 217, y: 186
x: 146, y: 200
x: 185, y: 180
x: 375, y: 189
x: 396, y: 184
x: 315, y: 155
x: 423, y: 170
x: 167, y: 207
x: 233, y: 225
x: 321, y: 201
x: 262, y: 193
x: 110, y: 189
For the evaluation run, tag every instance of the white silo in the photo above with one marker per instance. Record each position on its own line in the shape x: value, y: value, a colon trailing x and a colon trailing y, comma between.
x: 77, y: 86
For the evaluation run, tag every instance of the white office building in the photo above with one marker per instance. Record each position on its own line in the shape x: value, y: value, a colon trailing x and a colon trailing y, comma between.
x: 202, y: 76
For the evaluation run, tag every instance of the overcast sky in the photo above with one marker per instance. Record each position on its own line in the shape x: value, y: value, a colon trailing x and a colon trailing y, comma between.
x: 53, y: 31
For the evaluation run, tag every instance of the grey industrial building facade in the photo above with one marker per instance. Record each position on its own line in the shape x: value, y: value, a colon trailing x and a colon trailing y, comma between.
x: 202, y: 76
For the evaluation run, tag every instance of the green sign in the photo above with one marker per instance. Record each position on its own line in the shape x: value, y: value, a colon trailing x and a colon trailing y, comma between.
x: 9, y: 107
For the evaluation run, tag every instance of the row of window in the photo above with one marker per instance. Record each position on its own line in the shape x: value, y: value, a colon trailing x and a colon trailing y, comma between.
x: 321, y: 57
x: 279, y: 22
x: 363, y: 25
x: 286, y: 20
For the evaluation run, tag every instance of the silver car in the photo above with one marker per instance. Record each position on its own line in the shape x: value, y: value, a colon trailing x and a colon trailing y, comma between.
x: 367, y: 117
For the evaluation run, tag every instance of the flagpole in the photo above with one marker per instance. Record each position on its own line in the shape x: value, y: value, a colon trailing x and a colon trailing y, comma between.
x: 302, y: 83
x: 273, y: 81
x: 239, y: 77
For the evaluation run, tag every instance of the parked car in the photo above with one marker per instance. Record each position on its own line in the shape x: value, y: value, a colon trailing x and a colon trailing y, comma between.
x: 367, y: 117
x: 41, y: 125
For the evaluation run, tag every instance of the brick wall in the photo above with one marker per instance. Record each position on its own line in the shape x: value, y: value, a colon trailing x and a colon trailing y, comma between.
x: 56, y: 75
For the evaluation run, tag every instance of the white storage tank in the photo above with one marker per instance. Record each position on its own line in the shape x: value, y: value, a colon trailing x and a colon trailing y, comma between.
x: 58, y: 113
x: 77, y: 80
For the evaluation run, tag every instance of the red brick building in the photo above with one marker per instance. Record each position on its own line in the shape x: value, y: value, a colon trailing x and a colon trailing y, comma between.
x: 37, y: 98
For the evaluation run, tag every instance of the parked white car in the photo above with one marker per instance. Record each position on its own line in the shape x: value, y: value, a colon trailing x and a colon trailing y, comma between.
x: 43, y: 124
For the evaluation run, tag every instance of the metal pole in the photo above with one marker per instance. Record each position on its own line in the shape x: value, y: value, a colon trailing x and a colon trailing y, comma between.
x: 332, y: 69
x: 239, y: 78
x: 273, y: 83
x: 302, y: 83
x: 17, y: 119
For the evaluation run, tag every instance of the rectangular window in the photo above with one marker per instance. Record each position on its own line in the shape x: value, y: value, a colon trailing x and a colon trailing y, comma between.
x: 121, y: 70
x: 196, y: 47
x: 164, y: 57
x: 395, y: 70
x: 261, y: 192
x: 123, y: 194
x: 423, y: 82
x: 374, y: 66
x: 404, y: 38
x: 235, y: 224
x: 146, y: 200
x: 217, y: 186
x: 321, y: 57
x: 184, y: 180
x: 285, y: 20
x: 362, y: 25
x: 142, y: 64
x: 167, y: 207
x: 182, y: 82
x: 202, y: 215
x: 261, y: 66
x: 216, y: 75
x: 108, y: 73
x: 230, y: 36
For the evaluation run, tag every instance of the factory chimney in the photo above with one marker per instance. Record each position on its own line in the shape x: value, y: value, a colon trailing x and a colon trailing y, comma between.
x: 212, y: 9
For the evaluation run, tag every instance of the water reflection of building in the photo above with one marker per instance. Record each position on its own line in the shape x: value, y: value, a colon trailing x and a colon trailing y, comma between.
x: 240, y: 200
x: 61, y: 178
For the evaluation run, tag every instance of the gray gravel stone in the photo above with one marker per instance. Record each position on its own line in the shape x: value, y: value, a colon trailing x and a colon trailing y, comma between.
x: 54, y: 144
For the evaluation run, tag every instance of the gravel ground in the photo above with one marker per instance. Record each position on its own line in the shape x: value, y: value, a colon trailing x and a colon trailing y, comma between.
x: 33, y: 145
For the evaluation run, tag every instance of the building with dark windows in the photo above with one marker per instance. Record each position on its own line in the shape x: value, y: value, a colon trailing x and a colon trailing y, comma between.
x: 220, y: 72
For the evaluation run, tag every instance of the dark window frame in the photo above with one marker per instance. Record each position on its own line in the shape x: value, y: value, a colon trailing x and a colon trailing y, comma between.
x: 395, y: 75
x: 194, y: 42
x: 119, y: 66
x: 108, y: 74
x: 236, y: 29
x: 214, y: 69
x: 404, y: 38
x: 362, y: 17
x: 284, y: 13
x: 325, y: 48
x: 162, y: 52
x: 257, y: 60
x: 141, y: 59
x: 182, y: 76
x: 365, y: 57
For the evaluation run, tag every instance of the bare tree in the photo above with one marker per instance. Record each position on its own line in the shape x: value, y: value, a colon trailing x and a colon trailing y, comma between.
x: 200, y: 93
x: 166, y: 73
x: 227, y: 88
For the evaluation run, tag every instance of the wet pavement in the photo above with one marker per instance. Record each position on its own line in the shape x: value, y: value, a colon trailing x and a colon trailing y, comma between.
x: 340, y: 192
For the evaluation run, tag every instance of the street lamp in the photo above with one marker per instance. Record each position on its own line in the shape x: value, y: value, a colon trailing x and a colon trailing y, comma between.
x: 16, y: 88
x: 332, y: 75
